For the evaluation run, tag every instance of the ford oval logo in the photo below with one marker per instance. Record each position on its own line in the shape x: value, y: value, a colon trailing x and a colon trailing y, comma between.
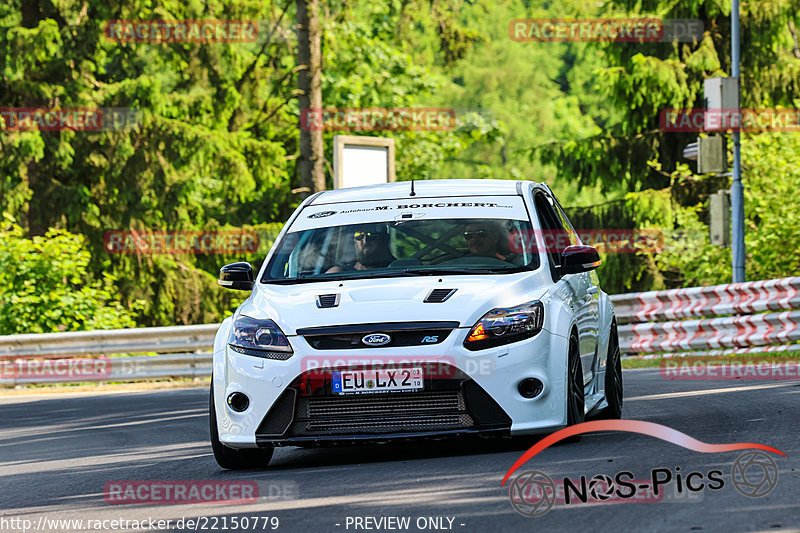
x: 376, y: 339
x: 322, y: 214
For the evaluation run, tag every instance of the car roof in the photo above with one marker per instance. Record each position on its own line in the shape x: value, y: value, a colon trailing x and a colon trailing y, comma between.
x: 424, y: 189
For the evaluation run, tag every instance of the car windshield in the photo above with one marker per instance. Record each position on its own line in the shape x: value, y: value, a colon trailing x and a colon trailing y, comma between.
x: 403, y: 248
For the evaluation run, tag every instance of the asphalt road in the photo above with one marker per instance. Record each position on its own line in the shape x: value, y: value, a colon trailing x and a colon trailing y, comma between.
x: 59, y: 452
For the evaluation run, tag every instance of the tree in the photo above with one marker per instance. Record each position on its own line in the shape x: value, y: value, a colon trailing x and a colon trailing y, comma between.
x: 309, y: 62
x: 638, y: 80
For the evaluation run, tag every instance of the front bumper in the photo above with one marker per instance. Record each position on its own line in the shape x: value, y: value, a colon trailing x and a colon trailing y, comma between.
x: 477, y: 395
x: 451, y: 403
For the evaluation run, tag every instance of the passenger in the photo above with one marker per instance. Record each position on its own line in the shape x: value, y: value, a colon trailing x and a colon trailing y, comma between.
x: 483, y: 238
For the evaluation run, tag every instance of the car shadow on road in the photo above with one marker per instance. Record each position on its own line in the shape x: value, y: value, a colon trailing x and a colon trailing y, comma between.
x: 291, y: 458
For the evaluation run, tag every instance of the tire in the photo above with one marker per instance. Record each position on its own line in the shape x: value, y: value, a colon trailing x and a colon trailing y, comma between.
x: 575, y: 399
x: 613, y: 378
x: 230, y: 458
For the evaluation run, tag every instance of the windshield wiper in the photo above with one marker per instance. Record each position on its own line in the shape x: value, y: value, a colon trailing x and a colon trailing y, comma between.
x: 315, y: 279
x: 461, y: 270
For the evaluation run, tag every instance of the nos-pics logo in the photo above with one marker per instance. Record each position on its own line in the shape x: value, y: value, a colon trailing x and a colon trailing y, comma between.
x: 533, y: 493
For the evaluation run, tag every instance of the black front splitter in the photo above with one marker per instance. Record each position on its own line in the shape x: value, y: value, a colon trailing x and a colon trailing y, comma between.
x: 352, y: 440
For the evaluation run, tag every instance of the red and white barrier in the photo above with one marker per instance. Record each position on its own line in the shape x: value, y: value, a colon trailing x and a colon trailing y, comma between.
x: 721, y: 332
x: 718, y: 300
x: 647, y: 320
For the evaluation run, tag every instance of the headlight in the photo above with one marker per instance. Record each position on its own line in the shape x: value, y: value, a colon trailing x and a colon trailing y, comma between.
x: 505, y: 325
x: 259, y: 338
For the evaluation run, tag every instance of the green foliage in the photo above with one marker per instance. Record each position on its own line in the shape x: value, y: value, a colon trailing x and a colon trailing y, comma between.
x: 771, y: 176
x: 210, y: 151
x: 772, y: 221
x: 646, y: 213
x: 638, y: 80
x: 45, y: 285
x: 372, y: 68
x: 514, y: 88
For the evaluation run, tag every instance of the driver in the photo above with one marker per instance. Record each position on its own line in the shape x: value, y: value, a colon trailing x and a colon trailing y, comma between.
x: 482, y: 239
x: 372, y: 249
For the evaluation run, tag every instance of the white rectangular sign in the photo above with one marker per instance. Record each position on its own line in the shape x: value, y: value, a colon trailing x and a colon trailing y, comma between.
x: 360, y: 161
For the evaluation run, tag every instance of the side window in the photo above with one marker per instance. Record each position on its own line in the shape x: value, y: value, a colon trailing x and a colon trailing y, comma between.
x: 554, y: 236
x: 567, y: 225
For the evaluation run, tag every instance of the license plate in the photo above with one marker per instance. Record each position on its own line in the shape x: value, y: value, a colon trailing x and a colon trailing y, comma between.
x: 367, y: 381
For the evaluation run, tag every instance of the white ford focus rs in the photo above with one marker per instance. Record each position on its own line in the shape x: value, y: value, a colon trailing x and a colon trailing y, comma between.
x: 436, y: 309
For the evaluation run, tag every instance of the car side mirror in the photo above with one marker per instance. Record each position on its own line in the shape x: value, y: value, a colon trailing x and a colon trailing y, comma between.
x: 579, y: 258
x: 237, y: 276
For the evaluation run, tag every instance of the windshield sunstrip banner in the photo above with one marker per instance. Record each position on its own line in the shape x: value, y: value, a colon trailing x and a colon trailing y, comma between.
x: 497, y: 207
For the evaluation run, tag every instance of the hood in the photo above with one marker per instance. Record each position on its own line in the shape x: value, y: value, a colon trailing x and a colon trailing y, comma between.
x: 391, y: 300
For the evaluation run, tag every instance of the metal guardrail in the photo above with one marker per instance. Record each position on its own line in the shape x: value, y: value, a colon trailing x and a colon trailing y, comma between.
x: 111, y: 341
x: 107, y: 369
x: 82, y: 356
x: 651, y: 322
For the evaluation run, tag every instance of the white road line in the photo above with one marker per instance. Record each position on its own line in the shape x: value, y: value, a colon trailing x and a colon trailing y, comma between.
x: 670, y: 395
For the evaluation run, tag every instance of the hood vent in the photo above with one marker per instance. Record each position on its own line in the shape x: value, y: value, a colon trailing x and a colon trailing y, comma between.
x: 439, y: 295
x: 327, y: 300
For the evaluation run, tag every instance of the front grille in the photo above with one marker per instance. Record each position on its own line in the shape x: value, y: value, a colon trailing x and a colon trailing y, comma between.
x: 349, y: 336
x: 363, y: 405
x: 401, y: 338
x: 381, y: 413
x: 386, y: 425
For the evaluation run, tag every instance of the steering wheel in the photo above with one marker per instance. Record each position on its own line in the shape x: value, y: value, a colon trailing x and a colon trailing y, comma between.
x: 440, y: 258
